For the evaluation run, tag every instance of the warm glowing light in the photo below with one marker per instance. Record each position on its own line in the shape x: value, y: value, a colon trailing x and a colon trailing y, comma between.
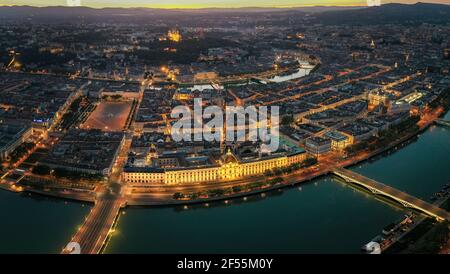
x: 174, y: 36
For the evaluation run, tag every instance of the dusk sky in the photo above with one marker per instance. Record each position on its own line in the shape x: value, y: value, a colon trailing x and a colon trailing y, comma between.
x: 201, y: 3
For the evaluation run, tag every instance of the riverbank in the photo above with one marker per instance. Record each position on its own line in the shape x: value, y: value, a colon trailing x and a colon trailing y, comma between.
x: 73, y: 195
x: 87, y: 197
x: 427, y: 236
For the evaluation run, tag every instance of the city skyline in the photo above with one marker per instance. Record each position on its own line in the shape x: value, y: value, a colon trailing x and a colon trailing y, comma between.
x: 316, y: 130
x: 202, y: 3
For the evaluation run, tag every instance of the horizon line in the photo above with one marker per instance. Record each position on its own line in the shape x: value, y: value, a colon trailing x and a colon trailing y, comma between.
x: 212, y: 7
x: 221, y: 8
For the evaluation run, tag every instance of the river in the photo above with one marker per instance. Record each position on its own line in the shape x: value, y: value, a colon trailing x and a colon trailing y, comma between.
x: 323, y: 216
x: 301, y: 72
x: 37, y: 224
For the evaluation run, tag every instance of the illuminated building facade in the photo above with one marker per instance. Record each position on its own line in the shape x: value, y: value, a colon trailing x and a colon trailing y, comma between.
x: 338, y: 141
x: 174, y: 35
x: 378, y: 97
x: 182, y: 95
x: 228, y: 168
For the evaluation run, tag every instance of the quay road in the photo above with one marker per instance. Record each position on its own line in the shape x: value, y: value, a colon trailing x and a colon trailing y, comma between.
x: 163, y: 195
x: 404, y: 198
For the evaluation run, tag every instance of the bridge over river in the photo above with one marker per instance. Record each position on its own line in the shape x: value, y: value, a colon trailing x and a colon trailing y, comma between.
x: 93, y: 234
x: 442, y: 122
x: 403, y: 198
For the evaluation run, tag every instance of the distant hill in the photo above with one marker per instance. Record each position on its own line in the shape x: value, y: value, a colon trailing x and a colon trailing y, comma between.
x: 388, y: 14
x: 17, y: 12
x: 25, y: 9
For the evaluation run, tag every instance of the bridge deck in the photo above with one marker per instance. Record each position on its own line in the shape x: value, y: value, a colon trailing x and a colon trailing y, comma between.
x: 442, y: 122
x: 93, y: 233
x: 393, y: 193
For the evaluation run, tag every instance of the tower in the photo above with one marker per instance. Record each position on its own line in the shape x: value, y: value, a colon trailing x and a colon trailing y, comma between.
x: 151, y: 154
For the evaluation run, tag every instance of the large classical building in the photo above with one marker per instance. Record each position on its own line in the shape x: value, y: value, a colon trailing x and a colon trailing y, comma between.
x: 228, y: 167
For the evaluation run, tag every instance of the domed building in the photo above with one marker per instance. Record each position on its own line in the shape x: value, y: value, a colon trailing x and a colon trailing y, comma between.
x: 230, y: 167
x: 225, y: 167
